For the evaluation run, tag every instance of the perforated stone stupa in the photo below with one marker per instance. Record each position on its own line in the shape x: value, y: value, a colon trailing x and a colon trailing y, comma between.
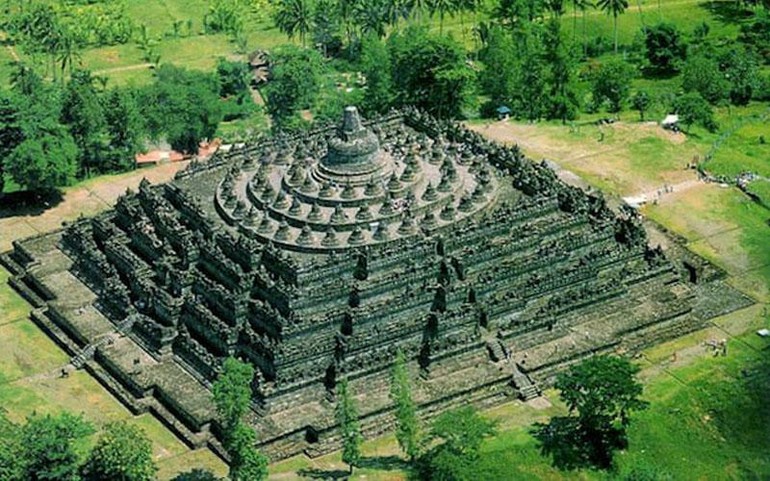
x: 317, y: 257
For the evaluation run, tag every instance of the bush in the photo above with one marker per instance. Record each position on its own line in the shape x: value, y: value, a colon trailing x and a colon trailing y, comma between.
x: 183, y: 106
x: 756, y: 35
x: 665, y: 47
x: 693, y: 109
x: 611, y: 82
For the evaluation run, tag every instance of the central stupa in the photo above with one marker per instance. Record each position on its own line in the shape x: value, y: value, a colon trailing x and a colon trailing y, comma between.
x: 355, y: 151
x: 351, y: 190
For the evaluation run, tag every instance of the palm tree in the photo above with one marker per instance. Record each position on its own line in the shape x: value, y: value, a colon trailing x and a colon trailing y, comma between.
x: 442, y: 7
x: 416, y: 8
x: 24, y: 79
x: 67, y: 53
x: 372, y: 16
x: 396, y: 10
x: 577, y: 5
x: 294, y: 17
x: 556, y: 7
x: 581, y: 5
x: 614, y: 8
x: 346, y: 10
x: 466, y: 6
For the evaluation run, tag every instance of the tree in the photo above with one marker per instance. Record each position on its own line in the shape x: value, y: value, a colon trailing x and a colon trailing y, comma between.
x: 442, y: 8
x: 611, y: 82
x: 82, y: 112
x: 563, y: 98
x: 48, y: 444
x: 516, y: 13
x: 693, y: 109
x: 123, y: 453
x: 67, y: 52
x: 350, y: 431
x: 38, y: 152
x: 234, y: 78
x: 501, y: 70
x: 602, y: 389
x: 614, y: 8
x: 11, y: 133
x: 294, y: 18
x: 24, y: 80
x: 44, y: 160
x: 556, y: 7
x: 531, y: 89
x: 11, y: 450
x: 232, y: 393
x: 601, y: 393
x: 183, y: 106
x: 581, y: 5
x: 246, y: 462
x: 38, y: 29
x: 741, y: 69
x: 326, y: 27
x: 125, y: 128
x: 665, y: 47
x: 407, y: 425
x: 375, y: 65
x: 457, y: 436
x: 225, y: 16
x: 701, y: 74
x: 416, y: 8
x: 296, y: 76
x: 641, y: 102
x: 432, y: 72
x: 756, y: 35
x: 372, y: 16
x: 232, y: 397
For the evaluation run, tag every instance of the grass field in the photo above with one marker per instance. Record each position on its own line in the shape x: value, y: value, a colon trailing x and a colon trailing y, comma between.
x: 29, y: 383
x: 721, y: 17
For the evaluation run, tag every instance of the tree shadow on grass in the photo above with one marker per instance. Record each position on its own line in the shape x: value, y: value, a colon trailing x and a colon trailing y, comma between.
x: 311, y: 473
x: 25, y: 203
x: 384, y: 463
x: 727, y: 12
x: 739, y: 406
x: 571, y: 447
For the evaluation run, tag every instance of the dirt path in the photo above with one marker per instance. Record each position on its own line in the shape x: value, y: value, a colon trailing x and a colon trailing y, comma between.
x: 87, y: 198
x: 139, y: 66
x: 660, y: 194
x: 9, y: 47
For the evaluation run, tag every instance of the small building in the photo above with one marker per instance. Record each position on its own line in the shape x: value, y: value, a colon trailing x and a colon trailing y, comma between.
x: 503, y: 112
x: 155, y: 157
x: 671, y: 122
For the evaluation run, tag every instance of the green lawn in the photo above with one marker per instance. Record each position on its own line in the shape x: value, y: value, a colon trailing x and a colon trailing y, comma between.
x: 744, y: 150
x: 685, y: 14
x: 30, y: 363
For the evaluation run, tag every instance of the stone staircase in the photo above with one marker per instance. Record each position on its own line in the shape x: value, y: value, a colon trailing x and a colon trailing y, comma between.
x: 87, y: 353
x: 527, y: 389
x: 500, y: 355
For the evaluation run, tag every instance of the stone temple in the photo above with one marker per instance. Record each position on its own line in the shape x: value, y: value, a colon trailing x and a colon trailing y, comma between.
x: 317, y: 257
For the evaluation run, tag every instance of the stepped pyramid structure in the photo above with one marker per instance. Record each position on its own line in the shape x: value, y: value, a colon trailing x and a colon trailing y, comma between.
x: 317, y: 257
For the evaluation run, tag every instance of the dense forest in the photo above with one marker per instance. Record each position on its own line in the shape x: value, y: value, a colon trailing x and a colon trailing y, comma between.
x: 60, y: 122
